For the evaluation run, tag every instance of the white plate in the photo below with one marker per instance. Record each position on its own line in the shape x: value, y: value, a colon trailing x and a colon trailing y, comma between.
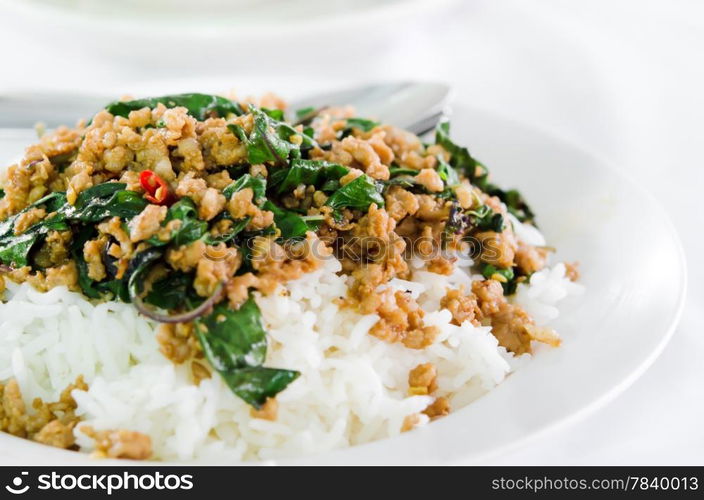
x: 635, y: 277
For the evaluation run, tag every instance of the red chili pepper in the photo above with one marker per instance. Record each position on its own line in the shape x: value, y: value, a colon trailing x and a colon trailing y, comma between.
x: 157, y: 189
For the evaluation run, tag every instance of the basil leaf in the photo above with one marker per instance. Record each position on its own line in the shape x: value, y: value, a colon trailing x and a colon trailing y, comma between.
x: 460, y: 159
x: 448, y: 174
x: 330, y: 186
x: 138, y: 267
x: 169, y: 292
x: 485, y: 219
x: 92, y: 289
x: 514, y: 201
x: 92, y: 205
x: 363, y: 124
x: 191, y: 229
x: 507, y: 277
x: 489, y: 270
x: 289, y: 223
x: 130, y: 283
x: 275, y: 114
x: 51, y: 203
x: 121, y: 203
x: 237, y: 227
x: 104, y: 190
x: 286, y: 131
x: 238, y: 131
x: 396, y: 171
x: 405, y: 181
x: 235, y: 344
x: 357, y: 194
x: 308, y: 172
x: 235, y: 338
x: 84, y: 281
x: 270, y: 139
x: 199, y: 106
x: 256, y: 384
x: 183, y: 209
x: 264, y: 143
x: 257, y: 184
x: 304, y: 113
x: 15, y: 251
x: 2, y: 194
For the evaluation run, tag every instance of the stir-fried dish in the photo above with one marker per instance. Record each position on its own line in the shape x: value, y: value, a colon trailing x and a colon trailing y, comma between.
x: 187, y: 205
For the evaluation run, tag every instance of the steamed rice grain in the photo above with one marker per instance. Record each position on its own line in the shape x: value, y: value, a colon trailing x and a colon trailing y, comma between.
x: 353, y: 387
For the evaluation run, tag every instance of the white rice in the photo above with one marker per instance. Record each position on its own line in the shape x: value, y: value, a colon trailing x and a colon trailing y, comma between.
x: 352, y: 389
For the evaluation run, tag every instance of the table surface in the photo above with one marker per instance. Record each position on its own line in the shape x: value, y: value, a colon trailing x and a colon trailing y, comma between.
x: 622, y: 78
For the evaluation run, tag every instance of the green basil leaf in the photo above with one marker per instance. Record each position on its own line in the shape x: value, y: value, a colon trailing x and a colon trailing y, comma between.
x: 275, y: 114
x: 448, y: 174
x: 238, y: 131
x: 235, y: 344
x: 257, y: 184
x: 235, y: 338
x: 264, y: 143
x: 308, y: 172
x: 199, y: 106
x: 460, y: 159
x: 405, y: 181
x: 191, y: 229
x: 304, y: 112
x: 514, y: 201
x: 121, y: 203
x: 330, y: 186
x: 396, y: 171
x: 256, y: 384
x: 138, y: 267
x: 510, y: 283
x: 485, y: 219
x: 357, y: 194
x: 170, y: 292
x: 15, y: 251
x: 289, y: 223
x: 104, y: 190
x: 51, y: 203
x: 363, y: 124
x: 237, y: 227
x: 92, y: 289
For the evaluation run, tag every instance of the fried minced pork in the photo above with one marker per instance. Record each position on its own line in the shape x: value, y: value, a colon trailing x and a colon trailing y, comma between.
x: 572, y: 270
x: 438, y: 408
x: 422, y: 379
x: 48, y: 423
x: 119, y: 443
x: 530, y: 259
x: 511, y: 324
x: 177, y: 341
x: 268, y: 411
x: 463, y: 306
x: 147, y: 223
x: 401, y: 320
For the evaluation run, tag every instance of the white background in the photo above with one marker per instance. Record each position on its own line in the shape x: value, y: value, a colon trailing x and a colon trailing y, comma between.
x: 624, y: 79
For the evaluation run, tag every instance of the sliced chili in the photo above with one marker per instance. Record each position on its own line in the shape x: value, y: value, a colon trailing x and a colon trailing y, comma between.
x: 157, y: 190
